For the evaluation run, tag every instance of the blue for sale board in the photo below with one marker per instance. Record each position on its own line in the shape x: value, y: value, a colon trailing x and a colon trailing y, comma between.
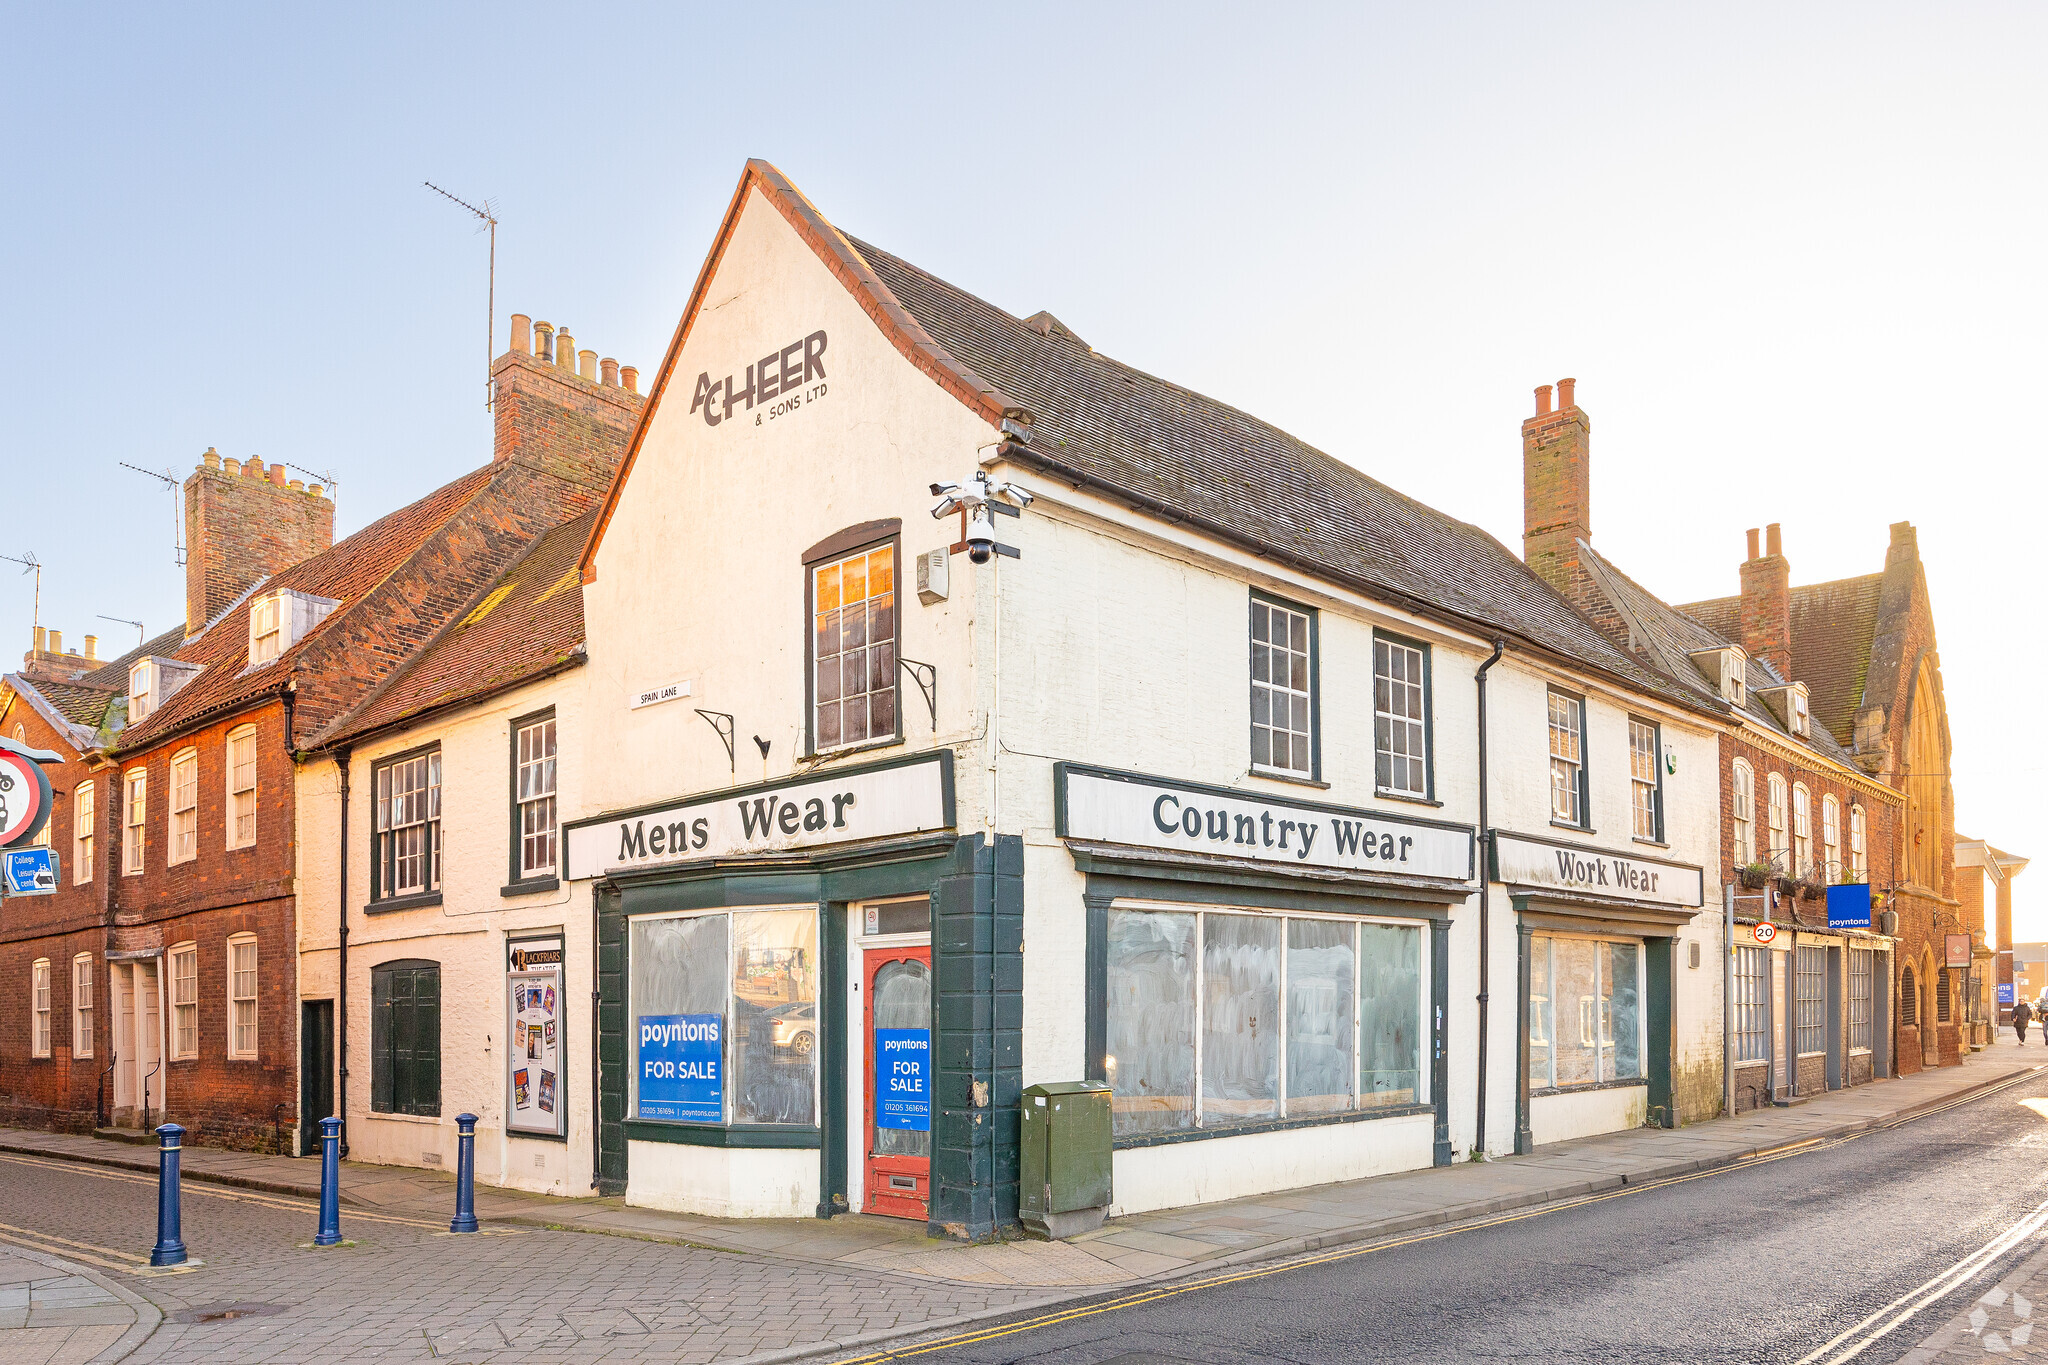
x: 1849, y: 906
x: 2005, y: 993
x: 903, y: 1078
x: 30, y: 871
x: 682, y: 1067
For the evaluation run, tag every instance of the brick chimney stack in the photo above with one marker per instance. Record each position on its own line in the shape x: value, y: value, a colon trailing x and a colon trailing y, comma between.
x: 1767, y: 603
x: 1557, y: 489
x: 242, y: 523
x: 555, y: 408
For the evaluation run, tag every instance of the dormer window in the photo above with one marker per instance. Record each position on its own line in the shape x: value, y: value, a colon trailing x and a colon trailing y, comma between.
x: 1802, y: 712
x: 1727, y: 667
x: 278, y: 620
x: 141, y: 689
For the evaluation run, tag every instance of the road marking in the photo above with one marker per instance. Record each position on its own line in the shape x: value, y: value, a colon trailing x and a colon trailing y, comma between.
x: 1867, y: 1333
x: 66, y: 1241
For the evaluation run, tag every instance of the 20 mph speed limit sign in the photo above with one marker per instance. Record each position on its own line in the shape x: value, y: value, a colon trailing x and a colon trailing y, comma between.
x: 1766, y: 931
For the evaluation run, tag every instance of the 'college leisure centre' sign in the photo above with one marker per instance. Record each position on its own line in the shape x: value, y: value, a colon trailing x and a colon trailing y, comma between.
x: 1153, y: 812
x: 882, y: 801
x: 1521, y: 861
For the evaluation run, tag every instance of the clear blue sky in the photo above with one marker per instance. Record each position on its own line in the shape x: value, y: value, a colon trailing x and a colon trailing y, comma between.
x: 1793, y: 254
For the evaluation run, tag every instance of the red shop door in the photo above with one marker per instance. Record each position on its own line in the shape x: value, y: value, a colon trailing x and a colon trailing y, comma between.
x: 899, y: 1070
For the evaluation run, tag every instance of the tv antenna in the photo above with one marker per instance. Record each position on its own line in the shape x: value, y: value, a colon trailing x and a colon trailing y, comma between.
x: 170, y: 481
x: 318, y: 477
x: 30, y: 564
x: 489, y: 216
x: 124, y: 621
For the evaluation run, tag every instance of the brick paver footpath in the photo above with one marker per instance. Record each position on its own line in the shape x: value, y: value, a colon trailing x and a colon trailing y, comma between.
x: 544, y: 1283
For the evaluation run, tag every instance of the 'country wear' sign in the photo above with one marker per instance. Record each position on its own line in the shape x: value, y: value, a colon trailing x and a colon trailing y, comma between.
x: 878, y: 802
x: 1519, y: 860
x: 1153, y: 812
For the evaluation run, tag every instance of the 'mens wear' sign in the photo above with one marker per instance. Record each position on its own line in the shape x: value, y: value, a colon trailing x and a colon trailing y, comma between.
x: 1154, y: 812
x: 881, y: 801
x: 1519, y: 860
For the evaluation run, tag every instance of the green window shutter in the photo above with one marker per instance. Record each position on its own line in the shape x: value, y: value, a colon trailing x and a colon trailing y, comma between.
x: 381, y: 1095
x: 405, y: 1021
x: 427, y: 1041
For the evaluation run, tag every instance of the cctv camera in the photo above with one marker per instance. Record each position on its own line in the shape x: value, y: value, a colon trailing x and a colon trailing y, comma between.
x: 981, y: 535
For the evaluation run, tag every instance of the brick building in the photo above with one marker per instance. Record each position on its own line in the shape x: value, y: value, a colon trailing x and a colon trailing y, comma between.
x: 1984, y: 876
x: 188, y: 926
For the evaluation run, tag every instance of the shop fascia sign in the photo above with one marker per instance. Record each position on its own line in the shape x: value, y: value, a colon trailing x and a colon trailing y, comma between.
x: 846, y: 806
x: 1105, y: 806
x: 1519, y: 860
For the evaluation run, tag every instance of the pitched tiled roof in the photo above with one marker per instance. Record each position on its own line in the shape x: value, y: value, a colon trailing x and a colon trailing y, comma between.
x: 523, y: 625
x: 1834, y: 627
x: 1177, y: 454
x: 80, y: 705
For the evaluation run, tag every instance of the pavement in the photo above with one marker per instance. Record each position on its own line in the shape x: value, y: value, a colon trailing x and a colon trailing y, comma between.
x: 694, y: 1288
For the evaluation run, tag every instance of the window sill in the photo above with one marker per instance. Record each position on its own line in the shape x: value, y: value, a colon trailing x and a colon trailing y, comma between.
x: 532, y: 886
x: 425, y: 1120
x: 720, y: 1135
x: 1390, y: 1111
x: 1410, y: 800
x: 1295, y: 778
x: 846, y: 751
x: 1587, y: 830
x: 246, y: 1057
x: 1584, y: 1086
x: 1649, y: 843
x: 394, y: 903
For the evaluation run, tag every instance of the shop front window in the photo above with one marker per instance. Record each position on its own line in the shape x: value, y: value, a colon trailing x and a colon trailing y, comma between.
x: 1586, y: 1001
x: 1220, y: 1018
x: 708, y: 993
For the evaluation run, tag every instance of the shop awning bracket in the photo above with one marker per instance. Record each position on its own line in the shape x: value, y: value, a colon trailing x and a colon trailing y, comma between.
x: 926, y: 676
x: 722, y: 722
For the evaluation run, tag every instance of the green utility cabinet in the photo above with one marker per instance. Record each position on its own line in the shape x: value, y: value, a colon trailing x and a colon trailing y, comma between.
x: 1064, y: 1165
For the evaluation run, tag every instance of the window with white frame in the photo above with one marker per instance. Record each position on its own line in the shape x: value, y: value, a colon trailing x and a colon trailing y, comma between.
x: 1802, y: 715
x: 1591, y: 994
x: 242, y: 997
x: 184, y: 844
x: 268, y: 616
x: 1567, y: 759
x: 853, y: 649
x: 1859, y: 852
x: 1283, y: 688
x: 241, y: 821
x: 1736, y: 676
x: 135, y: 809
x: 1802, y: 831
x: 1810, y: 975
x: 1222, y: 1017
x: 141, y: 689
x: 82, y: 816
x: 1776, y: 822
x: 39, y: 1007
x: 1645, y: 781
x: 1752, y: 1004
x: 81, y: 1005
x: 1860, y: 964
x: 184, y: 1001
x: 533, y: 761
x: 1742, y: 806
x: 1400, y: 717
x: 407, y: 857
x: 1831, y: 838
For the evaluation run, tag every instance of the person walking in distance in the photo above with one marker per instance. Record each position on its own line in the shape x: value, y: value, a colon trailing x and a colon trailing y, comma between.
x: 2022, y: 1015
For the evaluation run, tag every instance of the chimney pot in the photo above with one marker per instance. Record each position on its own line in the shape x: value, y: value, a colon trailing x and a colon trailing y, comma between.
x: 565, y: 350
x: 56, y: 642
x: 254, y: 468
x: 1753, y: 542
x: 1543, y: 400
x: 92, y: 648
x: 1565, y: 397
x: 277, y: 474
x: 297, y: 485
x: 522, y: 333
x: 630, y: 377
x: 232, y: 466
x: 544, y: 341
x: 211, y: 459
x: 1774, y: 543
x: 608, y: 372
x: 586, y: 365
x: 314, y: 489
x: 41, y: 639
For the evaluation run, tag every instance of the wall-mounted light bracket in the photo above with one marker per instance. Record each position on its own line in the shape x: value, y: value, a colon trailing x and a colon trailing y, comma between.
x: 722, y: 723
x: 926, y: 676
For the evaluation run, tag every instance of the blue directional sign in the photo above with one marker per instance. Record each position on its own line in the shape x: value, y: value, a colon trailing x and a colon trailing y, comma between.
x: 30, y: 871
x: 1849, y: 906
x: 682, y: 1071
x: 903, y: 1078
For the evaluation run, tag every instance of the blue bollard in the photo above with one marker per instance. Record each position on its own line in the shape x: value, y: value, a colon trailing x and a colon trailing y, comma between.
x: 330, y: 1184
x: 170, y: 1222
x: 465, y: 1175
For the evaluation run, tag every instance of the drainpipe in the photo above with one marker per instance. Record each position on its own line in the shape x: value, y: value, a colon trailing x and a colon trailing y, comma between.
x: 1728, y: 998
x: 341, y: 757
x: 1500, y: 646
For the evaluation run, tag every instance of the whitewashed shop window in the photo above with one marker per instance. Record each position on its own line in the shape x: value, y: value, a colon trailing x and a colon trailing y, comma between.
x: 1810, y: 978
x: 1591, y: 992
x: 81, y: 1005
x: 1646, y: 792
x: 707, y: 993
x: 1742, y: 807
x: 407, y: 859
x: 241, y: 821
x: 1802, y: 831
x: 853, y: 649
x: 82, y: 816
x: 1219, y: 1018
x: 533, y: 761
x: 1752, y: 1004
x: 1283, y: 689
x: 242, y: 1000
x: 1860, y: 977
x: 1831, y: 839
x: 184, y: 1001
x: 1781, y: 848
x: 136, y: 810
x: 185, y: 806
x: 39, y: 1007
x: 1400, y: 717
x: 1567, y: 759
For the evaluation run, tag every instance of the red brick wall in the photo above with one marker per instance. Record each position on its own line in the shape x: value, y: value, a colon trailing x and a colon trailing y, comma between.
x: 239, y: 527
x: 1557, y: 496
x: 1880, y: 811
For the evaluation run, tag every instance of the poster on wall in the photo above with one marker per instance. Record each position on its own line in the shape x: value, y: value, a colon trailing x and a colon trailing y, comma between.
x: 535, y: 1100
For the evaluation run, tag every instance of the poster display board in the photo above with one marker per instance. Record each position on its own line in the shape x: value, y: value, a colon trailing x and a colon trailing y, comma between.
x: 536, y: 1100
